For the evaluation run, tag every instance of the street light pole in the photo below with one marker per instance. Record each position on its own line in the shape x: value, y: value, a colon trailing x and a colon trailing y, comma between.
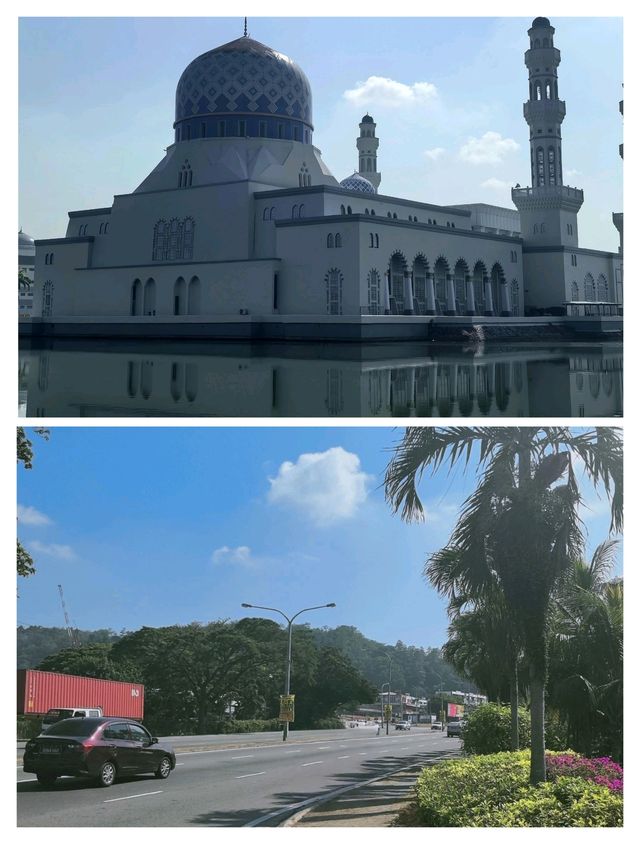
x: 287, y: 677
x: 382, y: 702
x: 389, y: 691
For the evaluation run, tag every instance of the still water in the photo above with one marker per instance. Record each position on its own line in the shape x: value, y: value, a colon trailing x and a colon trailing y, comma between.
x: 155, y: 378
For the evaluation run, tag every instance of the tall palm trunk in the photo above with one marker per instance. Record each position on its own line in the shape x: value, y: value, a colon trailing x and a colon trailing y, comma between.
x: 536, y: 692
x: 513, y: 698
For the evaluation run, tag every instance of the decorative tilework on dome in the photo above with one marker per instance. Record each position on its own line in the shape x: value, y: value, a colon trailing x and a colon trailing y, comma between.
x: 357, y: 183
x: 244, y: 76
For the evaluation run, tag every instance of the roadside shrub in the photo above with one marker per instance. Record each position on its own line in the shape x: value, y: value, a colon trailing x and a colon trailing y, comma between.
x: 328, y: 724
x: 565, y: 801
x: 493, y: 790
x: 28, y: 727
x: 602, y: 770
x: 250, y: 726
x: 488, y: 729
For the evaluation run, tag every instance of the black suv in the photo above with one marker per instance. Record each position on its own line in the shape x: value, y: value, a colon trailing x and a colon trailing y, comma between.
x: 102, y: 748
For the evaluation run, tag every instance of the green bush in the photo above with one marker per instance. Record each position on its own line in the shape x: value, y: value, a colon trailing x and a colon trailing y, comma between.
x: 250, y: 726
x: 494, y: 790
x: 488, y: 729
x: 328, y: 724
x: 28, y: 727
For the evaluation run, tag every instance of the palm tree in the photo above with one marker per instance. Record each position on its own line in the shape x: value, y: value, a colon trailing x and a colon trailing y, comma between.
x: 586, y: 654
x: 520, y: 523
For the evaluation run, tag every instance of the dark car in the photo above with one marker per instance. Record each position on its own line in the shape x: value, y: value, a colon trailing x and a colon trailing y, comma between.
x: 102, y: 748
x: 454, y: 728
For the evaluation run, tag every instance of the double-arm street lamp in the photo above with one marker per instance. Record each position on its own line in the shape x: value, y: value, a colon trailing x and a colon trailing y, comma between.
x: 287, y: 679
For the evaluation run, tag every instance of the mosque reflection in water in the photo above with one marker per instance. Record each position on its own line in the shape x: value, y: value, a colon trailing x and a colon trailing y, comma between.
x: 324, y: 381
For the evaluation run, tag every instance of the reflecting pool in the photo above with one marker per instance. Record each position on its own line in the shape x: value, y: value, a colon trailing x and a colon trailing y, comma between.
x: 156, y: 378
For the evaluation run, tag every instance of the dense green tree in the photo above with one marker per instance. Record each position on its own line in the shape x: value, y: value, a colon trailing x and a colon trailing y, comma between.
x: 521, y: 521
x: 586, y: 655
x: 25, y: 565
x: 92, y: 661
x: 195, y: 672
x: 35, y: 642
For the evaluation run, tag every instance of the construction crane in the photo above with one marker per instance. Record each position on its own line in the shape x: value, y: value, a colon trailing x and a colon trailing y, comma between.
x: 73, y: 634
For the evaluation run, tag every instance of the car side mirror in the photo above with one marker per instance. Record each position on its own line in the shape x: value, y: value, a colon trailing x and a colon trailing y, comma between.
x: 154, y: 739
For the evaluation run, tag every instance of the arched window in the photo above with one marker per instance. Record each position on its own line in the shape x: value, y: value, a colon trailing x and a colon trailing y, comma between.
x: 366, y: 211
x: 272, y: 214
x: 589, y: 288
x: 348, y: 209
x: 547, y: 89
x: 136, y: 297
x: 368, y: 165
x: 377, y: 242
x: 187, y: 238
x: 538, y: 90
x: 575, y: 293
x: 149, y: 304
x: 301, y: 211
x: 304, y: 178
x: 373, y: 292
x: 536, y: 44
x: 294, y: 212
x: 373, y: 213
x: 329, y: 241
x: 395, y: 216
x: 100, y: 229
x: 179, y: 297
x: 338, y: 240
x: 333, y: 281
x: 515, y: 298
x: 265, y: 214
x: 535, y: 228
x: 603, y: 289
x: 342, y: 209
x: 371, y: 240
x: 543, y: 228
x: 106, y: 227
x: 47, y: 298
x: 193, y: 300
x: 160, y: 241
x: 540, y: 165
x: 545, y: 42
x: 551, y: 158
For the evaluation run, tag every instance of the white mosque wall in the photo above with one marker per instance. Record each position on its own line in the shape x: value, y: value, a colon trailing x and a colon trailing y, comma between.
x: 552, y: 273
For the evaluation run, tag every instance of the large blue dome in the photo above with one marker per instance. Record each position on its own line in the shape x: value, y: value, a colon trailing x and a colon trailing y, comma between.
x: 246, y: 89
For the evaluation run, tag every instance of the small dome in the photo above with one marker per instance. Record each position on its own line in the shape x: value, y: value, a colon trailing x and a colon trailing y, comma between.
x: 25, y: 239
x: 356, y: 182
x: 367, y: 119
x: 538, y: 22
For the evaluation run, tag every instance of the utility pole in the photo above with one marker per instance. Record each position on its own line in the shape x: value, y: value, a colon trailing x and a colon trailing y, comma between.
x: 73, y: 635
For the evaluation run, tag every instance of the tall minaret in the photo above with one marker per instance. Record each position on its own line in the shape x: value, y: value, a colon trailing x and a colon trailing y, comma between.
x: 367, y: 145
x: 548, y: 210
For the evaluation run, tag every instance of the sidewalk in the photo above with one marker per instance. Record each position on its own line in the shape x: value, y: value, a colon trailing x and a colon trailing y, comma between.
x: 374, y: 805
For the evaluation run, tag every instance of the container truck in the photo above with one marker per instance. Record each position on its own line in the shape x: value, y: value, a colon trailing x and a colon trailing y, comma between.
x: 41, y: 691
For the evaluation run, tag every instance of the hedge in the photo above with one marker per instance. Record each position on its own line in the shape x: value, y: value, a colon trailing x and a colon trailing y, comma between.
x: 494, y: 791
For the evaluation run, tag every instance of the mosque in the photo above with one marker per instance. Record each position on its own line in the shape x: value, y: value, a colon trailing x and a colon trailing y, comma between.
x: 242, y: 230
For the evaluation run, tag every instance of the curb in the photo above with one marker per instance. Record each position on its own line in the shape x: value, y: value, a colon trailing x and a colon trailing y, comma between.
x: 319, y: 801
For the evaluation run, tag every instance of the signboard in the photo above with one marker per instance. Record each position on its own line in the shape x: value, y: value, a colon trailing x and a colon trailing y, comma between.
x: 455, y: 710
x: 287, y: 708
x: 387, y: 712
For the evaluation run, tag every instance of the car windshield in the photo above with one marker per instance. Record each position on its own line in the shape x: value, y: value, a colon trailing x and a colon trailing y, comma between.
x: 79, y: 727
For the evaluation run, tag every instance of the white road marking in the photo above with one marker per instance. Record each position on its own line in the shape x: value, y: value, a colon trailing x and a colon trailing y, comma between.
x: 243, y: 757
x: 344, y: 757
x: 259, y: 773
x: 324, y: 748
x: 179, y: 763
x: 292, y: 751
x: 362, y: 754
x: 132, y: 796
x: 305, y: 764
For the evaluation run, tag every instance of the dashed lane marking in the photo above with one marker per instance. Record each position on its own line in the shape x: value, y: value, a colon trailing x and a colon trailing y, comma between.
x: 243, y: 757
x: 306, y: 764
x: 244, y: 776
x: 132, y: 796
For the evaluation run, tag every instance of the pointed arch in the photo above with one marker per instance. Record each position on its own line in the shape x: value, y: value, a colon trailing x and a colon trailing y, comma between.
x: 193, y: 298
x: 179, y: 297
x: 589, y: 288
x: 602, y: 291
x: 397, y: 267
x: 479, y: 272
x: 136, y: 298
x: 420, y: 270
x: 460, y: 272
x: 149, y: 302
x: 440, y: 271
x: 333, y: 281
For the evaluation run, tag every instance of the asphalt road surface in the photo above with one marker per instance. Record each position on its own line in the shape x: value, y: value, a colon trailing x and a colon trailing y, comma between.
x: 249, y: 784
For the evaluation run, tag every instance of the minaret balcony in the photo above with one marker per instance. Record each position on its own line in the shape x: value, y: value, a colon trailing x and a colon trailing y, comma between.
x: 544, y: 111
x: 548, y: 196
x: 542, y: 57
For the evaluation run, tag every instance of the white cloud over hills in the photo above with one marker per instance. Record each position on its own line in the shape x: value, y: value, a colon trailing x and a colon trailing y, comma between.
x: 326, y: 487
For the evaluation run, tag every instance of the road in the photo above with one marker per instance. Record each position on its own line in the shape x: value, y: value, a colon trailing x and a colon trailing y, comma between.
x: 231, y: 787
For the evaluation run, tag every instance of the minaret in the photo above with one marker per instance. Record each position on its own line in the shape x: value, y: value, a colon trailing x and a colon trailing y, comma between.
x: 367, y: 146
x: 548, y: 209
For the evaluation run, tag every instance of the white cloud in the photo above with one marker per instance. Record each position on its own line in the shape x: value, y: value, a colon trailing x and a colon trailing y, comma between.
x: 382, y: 91
x: 33, y: 517
x: 435, y: 153
x: 240, y: 556
x: 327, y: 487
x: 61, y: 552
x: 571, y: 174
x: 489, y: 149
x: 496, y: 184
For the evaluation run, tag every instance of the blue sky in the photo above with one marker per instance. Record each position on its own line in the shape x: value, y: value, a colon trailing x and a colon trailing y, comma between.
x: 96, y: 101
x: 161, y: 526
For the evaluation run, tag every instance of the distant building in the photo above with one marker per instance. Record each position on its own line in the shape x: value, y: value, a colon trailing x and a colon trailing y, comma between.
x: 26, y: 265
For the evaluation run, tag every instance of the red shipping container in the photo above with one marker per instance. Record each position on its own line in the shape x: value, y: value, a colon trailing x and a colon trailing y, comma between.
x: 39, y: 691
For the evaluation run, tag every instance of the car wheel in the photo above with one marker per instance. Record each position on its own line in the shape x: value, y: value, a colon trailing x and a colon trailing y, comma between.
x: 107, y: 774
x: 47, y: 779
x: 164, y: 768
